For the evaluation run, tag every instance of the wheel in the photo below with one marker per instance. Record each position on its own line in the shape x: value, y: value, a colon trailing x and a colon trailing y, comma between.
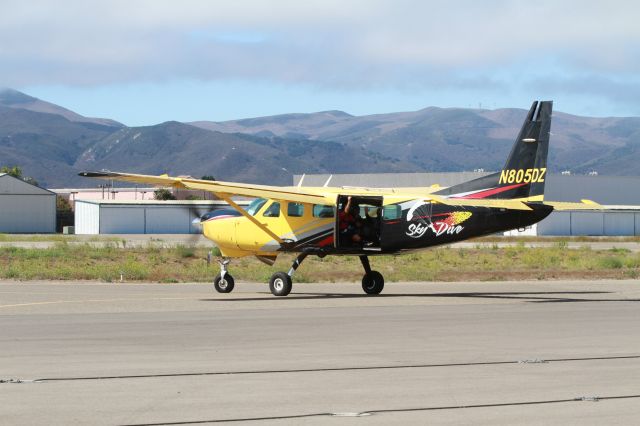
x: 223, y: 285
x: 373, y: 282
x: 280, y: 284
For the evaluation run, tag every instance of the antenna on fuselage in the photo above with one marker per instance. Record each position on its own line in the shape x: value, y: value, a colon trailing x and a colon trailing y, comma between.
x: 327, y: 182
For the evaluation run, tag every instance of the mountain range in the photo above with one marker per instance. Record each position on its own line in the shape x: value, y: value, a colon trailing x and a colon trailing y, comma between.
x: 52, y: 144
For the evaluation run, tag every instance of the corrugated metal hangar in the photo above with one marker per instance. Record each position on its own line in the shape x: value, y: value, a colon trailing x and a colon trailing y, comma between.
x: 620, y: 193
x: 141, y: 217
x: 25, y: 208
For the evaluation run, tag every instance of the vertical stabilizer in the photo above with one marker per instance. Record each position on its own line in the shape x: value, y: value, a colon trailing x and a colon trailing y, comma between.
x: 525, y: 171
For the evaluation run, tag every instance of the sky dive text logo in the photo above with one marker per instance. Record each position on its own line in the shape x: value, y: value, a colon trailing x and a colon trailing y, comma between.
x: 440, y: 224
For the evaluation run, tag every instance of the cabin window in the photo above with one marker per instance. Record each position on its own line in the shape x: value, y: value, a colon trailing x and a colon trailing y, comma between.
x: 322, y: 211
x: 273, y: 210
x: 255, y: 206
x: 295, y: 210
x: 391, y: 212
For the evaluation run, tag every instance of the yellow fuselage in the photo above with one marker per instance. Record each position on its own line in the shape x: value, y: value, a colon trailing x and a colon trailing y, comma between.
x: 239, y: 236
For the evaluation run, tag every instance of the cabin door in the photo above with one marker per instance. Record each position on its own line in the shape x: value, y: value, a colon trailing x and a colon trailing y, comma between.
x: 360, y: 226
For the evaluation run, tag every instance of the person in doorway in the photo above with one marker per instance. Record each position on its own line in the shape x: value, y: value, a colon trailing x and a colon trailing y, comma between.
x: 348, y: 223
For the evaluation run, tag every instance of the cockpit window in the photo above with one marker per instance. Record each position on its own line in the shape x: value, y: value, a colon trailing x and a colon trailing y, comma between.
x: 273, y: 210
x: 255, y: 206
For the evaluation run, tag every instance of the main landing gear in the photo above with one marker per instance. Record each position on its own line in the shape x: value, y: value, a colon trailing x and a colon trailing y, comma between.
x: 372, y: 281
x: 281, y: 284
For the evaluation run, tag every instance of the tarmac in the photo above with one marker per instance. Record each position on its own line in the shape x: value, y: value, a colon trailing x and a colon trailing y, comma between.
x: 494, y: 353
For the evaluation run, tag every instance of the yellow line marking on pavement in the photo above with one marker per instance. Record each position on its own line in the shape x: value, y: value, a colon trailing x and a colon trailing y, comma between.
x: 53, y: 302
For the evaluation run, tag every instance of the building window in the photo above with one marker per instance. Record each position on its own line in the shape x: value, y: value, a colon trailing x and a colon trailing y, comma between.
x: 322, y: 211
x: 295, y: 210
x: 272, y: 211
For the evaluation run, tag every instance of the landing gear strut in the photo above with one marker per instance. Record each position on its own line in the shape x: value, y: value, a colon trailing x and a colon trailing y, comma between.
x: 223, y: 282
x: 280, y: 283
x: 372, y: 281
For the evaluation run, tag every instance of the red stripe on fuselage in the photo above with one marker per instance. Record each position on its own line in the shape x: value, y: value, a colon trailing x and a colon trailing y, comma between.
x: 326, y: 241
x: 493, y: 191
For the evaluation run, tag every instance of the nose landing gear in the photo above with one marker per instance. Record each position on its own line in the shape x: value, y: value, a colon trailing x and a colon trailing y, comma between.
x: 223, y: 282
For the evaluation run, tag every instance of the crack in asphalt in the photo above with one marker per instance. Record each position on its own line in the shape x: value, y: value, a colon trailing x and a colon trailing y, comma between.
x: 328, y: 369
x: 395, y: 410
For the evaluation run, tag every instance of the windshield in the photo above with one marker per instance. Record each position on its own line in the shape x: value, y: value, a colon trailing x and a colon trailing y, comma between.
x: 255, y: 205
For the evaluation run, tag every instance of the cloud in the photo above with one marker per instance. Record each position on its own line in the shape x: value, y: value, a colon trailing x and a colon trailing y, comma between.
x: 331, y: 44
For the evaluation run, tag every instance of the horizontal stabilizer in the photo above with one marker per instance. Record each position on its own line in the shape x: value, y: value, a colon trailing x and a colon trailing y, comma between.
x: 584, y: 205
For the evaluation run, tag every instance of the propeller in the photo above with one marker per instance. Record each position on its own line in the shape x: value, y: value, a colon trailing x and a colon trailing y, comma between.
x: 197, y: 214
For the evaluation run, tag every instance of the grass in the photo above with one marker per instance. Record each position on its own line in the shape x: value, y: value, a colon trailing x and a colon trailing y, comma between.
x: 54, y: 238
x: 188, y: 264
x: 481, y: 240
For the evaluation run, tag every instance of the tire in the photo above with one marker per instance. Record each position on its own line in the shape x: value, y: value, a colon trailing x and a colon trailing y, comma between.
x: 280, y: 284
x: 223, y: 285
x: 373, y: 282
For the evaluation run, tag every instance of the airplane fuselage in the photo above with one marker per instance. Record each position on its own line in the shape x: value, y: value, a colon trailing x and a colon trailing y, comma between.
x: 398, y: 227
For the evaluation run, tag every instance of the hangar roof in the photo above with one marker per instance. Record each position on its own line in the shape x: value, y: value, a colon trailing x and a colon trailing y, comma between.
x: 10, y: 185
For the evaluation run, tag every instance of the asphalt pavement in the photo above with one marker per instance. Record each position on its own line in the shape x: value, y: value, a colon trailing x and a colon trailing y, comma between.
x: 499, y: 353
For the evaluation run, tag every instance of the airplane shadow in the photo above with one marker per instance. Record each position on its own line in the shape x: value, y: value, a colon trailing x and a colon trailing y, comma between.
x: 530, y: 297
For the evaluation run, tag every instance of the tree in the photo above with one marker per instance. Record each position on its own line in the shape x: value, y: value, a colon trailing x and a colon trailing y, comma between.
x: 207, y: 177
x: 16, y: 172
x: 62, y: 204
x: 163, y: 194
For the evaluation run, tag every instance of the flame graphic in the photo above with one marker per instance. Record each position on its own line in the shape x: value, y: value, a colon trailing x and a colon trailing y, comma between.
x: 456, y: 218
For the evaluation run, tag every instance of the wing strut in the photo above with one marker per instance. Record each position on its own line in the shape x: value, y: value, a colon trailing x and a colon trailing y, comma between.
x: 255, y: 221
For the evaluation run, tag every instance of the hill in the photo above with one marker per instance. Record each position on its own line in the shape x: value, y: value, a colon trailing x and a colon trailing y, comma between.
x: 454, y: 139
x: 14, y: 99
x: 53, y: 148
x: 52, y: 144
x: 182, y: 149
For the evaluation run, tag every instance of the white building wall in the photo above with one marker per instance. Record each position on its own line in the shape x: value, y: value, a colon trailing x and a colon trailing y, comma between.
x: 121, y: 219
x: 557, y: 223
x: 87, y: 218
x: 619, y: 224
x: 167, y: 220
x: 27, y: 213
x: 587, y: 223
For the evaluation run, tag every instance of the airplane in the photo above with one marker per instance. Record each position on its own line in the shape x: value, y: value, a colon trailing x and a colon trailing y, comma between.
x: 363, y: 222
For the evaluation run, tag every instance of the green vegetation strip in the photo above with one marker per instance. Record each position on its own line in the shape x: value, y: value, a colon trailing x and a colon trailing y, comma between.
x: 187, y: 264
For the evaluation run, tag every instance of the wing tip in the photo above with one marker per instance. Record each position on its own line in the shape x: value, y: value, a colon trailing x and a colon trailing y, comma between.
x: 97, y: 174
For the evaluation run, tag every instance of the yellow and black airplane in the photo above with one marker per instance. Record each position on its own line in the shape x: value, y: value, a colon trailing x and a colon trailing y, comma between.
x: 372, y: 221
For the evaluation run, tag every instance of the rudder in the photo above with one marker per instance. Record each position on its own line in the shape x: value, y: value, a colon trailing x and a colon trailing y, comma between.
x: 524, y: 173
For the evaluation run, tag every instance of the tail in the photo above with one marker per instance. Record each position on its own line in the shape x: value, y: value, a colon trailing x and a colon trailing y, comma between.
x: 524, y: 173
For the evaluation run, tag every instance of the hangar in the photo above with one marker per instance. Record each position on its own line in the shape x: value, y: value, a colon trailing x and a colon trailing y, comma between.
x: 620, y: 193
x: 25, y: 208
x: 141, y: 216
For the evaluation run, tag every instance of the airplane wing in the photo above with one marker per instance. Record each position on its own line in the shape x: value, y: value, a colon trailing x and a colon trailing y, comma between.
x: 324, y: 196
x: 222, y: 189
x: 496, y: 204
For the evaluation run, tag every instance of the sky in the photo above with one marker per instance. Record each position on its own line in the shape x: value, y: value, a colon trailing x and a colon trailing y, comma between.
x: 143, y: 62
